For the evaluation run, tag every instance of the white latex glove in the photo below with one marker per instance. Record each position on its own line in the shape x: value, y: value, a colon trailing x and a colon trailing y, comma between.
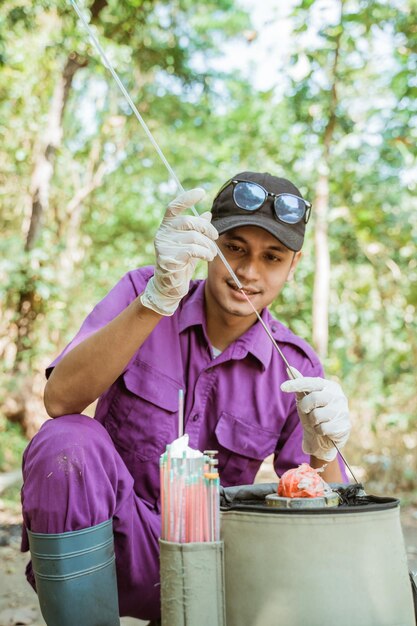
x: 179, y: 242
x: 324, y: 413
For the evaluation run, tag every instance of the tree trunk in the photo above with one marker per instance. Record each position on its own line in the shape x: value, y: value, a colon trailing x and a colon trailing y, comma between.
x: 30, y: 304
x: 22, y: 405
x: 43, y: 171
x: 321, y: 292
x: 322, y: 268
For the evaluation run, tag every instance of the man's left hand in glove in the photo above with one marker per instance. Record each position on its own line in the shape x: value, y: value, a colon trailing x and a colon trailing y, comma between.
x: 324, y: 413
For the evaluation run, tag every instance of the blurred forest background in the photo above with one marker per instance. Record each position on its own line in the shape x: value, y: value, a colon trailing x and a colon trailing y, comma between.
x: 82, y: 190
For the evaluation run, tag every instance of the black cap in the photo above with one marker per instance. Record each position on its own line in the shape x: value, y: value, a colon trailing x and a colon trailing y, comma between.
x: 227, y: 215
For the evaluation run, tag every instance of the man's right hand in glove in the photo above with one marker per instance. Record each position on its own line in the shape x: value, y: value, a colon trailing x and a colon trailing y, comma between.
x: 179, y: 242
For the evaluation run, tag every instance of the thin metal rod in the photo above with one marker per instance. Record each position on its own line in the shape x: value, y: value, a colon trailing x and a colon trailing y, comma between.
x: 140, y: 119
x: 291, y: 374
x: 151, y: 138
x: 345, y: 462
x: 145, y: 127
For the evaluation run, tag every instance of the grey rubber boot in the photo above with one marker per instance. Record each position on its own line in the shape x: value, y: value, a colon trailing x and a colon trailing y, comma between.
x: 75, y: 576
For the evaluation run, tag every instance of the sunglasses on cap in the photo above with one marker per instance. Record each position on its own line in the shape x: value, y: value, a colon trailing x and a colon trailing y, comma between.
x: 288, y: 208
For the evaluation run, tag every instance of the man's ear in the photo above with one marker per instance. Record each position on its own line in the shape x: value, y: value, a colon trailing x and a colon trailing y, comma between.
x: 297, y: 256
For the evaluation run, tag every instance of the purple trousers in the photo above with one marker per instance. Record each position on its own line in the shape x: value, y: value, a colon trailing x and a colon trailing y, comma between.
x: 74, y: 478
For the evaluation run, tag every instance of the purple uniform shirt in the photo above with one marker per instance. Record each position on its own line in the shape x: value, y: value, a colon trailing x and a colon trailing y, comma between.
x: 233, y: 403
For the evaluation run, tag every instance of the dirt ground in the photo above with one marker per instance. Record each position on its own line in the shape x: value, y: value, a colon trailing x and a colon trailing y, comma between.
x: 18, y: 602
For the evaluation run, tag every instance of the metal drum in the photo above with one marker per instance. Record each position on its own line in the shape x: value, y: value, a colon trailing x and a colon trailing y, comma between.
x: 342, y: 565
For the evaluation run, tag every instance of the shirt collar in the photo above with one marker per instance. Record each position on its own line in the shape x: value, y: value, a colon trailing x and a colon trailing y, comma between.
x: 191, y: 310
x: 254, y: 340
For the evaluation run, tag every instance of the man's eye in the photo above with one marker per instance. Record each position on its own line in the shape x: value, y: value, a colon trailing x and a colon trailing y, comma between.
x: 273, y: 258
x: 233, y: 248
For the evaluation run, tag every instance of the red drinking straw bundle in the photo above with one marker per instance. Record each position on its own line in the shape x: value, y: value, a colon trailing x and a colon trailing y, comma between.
x: 190, y: 509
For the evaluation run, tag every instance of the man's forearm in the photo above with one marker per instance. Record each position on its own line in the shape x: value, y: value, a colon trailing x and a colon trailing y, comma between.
x: 331, y: 473
x: 92, y: 366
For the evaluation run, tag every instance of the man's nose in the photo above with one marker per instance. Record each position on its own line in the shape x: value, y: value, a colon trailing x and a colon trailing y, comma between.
x: 247, y: 269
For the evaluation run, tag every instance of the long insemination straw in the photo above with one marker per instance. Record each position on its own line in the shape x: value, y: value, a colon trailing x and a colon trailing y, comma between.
x: 180, y: 412
x: 142, y: 122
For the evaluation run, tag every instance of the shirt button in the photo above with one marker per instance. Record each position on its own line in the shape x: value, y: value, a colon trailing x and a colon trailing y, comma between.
x: 195, y: 417
x: 273, y: 328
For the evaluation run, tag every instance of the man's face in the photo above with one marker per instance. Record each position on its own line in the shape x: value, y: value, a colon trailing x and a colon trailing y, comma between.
x: 262, y: 264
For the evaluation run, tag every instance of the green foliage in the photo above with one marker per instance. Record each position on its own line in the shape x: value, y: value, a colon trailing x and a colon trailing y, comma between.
x: 211, y: 124
x: 10, y: 498
x: 12, y: 445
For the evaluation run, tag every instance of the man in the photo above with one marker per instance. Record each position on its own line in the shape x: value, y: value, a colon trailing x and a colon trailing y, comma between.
x: 157, y: 332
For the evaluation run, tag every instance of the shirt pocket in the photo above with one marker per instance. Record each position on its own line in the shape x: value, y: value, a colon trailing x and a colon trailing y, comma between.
x: 242, y: 448
x: 142, y: 416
